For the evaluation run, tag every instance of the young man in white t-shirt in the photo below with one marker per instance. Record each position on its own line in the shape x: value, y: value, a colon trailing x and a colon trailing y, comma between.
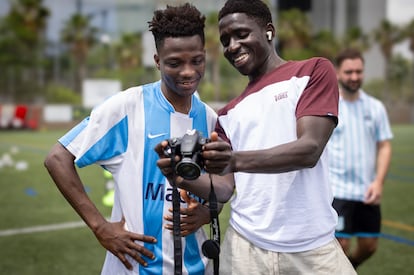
x: 282, y: 220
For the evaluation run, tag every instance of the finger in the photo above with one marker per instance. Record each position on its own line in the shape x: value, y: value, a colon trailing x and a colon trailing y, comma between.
x: 122, y: 221
x: 134, y: 248
x: 164, y: 163
x: 168, y: 218
x: 159, y: 148
x: 136, y: 256
x: 214, y: 136
x: 169, y: 227
x: 184, y: 233
x: 184, y: 195
x: 124, y: 260
x: 142, y: 238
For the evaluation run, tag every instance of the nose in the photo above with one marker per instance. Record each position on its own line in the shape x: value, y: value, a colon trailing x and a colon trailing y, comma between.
x: 354, y: 76
x: 187, y: 70
x: 233, y: 45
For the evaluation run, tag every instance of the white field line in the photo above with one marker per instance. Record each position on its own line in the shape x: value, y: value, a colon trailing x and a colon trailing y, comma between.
x: 41, y: 228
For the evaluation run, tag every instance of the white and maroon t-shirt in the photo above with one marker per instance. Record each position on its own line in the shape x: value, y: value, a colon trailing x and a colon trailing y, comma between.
x: 285, y: 212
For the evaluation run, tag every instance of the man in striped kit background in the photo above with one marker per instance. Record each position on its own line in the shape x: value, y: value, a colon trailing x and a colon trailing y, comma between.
x: 359, y: 157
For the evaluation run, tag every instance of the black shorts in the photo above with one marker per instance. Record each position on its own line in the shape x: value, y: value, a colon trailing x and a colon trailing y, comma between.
x: 357, y: 219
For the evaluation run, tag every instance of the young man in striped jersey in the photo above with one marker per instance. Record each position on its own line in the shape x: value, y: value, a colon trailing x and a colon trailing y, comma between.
x: 120, y: 135
x: 359, y: 158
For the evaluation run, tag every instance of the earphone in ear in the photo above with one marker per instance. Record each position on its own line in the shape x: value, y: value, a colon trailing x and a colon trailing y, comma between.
x: 269, y: 35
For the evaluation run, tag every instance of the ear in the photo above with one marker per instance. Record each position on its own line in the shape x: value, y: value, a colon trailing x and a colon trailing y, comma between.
x: 270, y: 31
x: 157, y: 61
x: 269, y: 35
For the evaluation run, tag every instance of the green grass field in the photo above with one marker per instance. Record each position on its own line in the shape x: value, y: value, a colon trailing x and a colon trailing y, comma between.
x: 30, y: 203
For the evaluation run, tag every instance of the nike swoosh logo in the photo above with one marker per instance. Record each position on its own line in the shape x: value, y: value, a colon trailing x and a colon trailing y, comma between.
x: 156, y: 135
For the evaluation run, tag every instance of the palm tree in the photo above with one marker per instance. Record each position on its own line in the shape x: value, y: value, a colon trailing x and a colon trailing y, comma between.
x: 129, y: 51
x: 387, y: 35
x: 356, y: 39
x: 294, y: 33
x: 23, y: 36
x: 325, y: 44
x: 80, y: 37
x: 213, y: 48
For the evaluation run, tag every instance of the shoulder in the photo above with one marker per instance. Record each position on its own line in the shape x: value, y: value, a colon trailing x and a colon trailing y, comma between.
x: 316, y: 66
x: 124, y: 96
x: 202, y: 104
x: 369, y: 99
x: 313, y: 62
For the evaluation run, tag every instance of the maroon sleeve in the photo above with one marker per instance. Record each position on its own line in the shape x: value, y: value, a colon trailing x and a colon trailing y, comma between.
x: 321, y: 95
x: 221, y: 133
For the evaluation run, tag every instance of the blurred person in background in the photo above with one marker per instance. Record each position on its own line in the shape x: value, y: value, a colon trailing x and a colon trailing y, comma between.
x: 359, y: 158
x: 120, y: 135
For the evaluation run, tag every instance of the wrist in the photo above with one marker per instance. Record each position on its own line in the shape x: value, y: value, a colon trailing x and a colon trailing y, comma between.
x: 232, y: 166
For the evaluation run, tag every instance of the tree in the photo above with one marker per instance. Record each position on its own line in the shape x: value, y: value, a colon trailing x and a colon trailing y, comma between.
x: 129, y: 51
x: 21, y: 45
x: 356, y: 39
x: 295, y: 34
x: 325, y: 44
x: 80, y: 37
x: 387, y: 35
x: 213, y: 48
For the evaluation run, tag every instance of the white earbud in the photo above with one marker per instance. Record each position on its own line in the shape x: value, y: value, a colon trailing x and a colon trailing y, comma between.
x: 269, y: 35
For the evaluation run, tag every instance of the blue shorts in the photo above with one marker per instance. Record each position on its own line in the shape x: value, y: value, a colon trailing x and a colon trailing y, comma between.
x: 356, y: 218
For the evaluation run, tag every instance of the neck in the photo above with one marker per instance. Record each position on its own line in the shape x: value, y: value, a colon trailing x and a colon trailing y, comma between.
x: 349, y: 96
x: 274, y: 61
x: 184, y: 109
x: 181, y: 104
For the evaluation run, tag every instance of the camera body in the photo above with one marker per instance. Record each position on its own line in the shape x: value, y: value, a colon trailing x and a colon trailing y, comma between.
x: 189, y: 148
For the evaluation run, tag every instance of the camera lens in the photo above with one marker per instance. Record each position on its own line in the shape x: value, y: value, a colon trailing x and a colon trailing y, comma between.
x: 187, y: 169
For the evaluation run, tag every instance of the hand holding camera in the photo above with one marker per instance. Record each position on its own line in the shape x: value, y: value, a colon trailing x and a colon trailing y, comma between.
x: 188, y: 148
x: 189, y: 155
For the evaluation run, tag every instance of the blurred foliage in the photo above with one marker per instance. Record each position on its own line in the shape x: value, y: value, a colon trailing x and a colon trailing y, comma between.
x: 56, y: 93
x: 29, y: 63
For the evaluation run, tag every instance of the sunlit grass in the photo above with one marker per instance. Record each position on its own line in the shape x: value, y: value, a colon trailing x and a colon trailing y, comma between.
x: 29, y: 198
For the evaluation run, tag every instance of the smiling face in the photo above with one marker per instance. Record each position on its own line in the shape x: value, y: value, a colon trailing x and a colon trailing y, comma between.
x: 181, y: 61
x: 245, y: 44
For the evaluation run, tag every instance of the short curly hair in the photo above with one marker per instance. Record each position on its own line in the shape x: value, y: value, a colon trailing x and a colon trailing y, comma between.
x: 255, y: 9
x: 177, y: 21
x: 348, y: 53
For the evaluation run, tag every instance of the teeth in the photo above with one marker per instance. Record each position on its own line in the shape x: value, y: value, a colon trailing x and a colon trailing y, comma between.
x: 240, y: 57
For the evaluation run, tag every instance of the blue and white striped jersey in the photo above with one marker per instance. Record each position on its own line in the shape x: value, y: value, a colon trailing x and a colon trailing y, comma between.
x: 353, y: 145
x: 120, y: 135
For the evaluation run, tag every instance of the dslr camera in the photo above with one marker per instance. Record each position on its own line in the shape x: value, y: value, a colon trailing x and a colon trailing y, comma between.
x: 189, y: 148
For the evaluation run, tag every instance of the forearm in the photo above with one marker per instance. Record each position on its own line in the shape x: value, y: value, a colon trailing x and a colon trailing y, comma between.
x: 59, y: 164
x: 383, y: 160
x: 312, y: 135
x: 279, y: 159
x: 223, y: 186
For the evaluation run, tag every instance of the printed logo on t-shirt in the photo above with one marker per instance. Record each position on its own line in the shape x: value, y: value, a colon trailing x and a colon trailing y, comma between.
x: 281, y: 96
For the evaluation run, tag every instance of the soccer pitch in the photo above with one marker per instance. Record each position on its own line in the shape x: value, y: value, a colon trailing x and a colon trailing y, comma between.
x: 41, y: 234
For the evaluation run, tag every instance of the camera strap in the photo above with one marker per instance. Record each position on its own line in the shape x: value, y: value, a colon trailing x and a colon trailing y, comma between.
x: 214, y: 227
x: 178, y: 254
x: 211, y: 248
